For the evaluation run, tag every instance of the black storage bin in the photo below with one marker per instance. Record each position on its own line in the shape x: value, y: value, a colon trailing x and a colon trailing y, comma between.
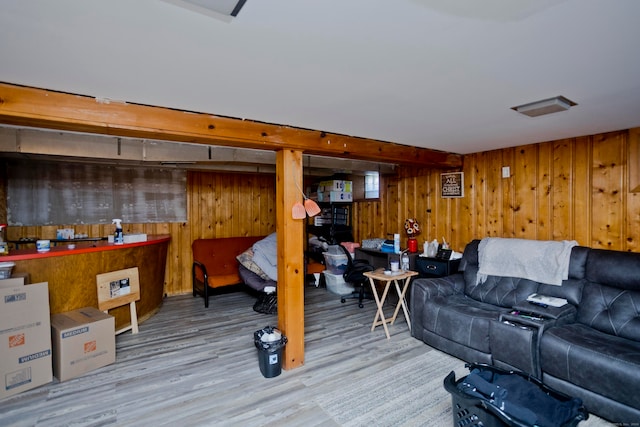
x: 508, y: 398
x: 269, y: 352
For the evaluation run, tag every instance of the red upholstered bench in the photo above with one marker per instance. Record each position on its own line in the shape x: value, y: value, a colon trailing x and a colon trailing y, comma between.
x: 215, y: 264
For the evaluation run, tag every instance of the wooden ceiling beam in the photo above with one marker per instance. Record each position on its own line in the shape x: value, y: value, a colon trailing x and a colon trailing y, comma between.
x: 33, y: 107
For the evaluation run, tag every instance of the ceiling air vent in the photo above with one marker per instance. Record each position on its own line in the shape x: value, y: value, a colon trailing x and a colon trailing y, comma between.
x: 215, y: 8
x: 546, y: 106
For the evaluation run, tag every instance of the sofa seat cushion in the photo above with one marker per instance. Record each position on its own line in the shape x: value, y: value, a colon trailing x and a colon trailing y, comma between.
x: 605, y: 364
x: 218, y: 280
x: 461, y: 319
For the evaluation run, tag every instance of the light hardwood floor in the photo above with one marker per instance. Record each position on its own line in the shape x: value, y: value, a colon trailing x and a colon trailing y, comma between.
x: 191, y: 366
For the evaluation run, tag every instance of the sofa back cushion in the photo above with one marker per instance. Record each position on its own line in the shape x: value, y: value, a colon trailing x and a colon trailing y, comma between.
x: 219, y: 255
x: 571, y: 289
x: 497, y: 290
x: 507, y: 291
x: 611, y: 310
x: 611, y: 296
x: 614, y: 268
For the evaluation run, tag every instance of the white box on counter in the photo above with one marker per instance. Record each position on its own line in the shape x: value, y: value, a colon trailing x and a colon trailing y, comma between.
x: 135, y: 238
x: 25, y: 338
x: 83, y: 340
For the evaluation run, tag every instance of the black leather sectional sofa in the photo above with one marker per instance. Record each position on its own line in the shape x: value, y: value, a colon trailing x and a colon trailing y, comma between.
x: 588, y: 348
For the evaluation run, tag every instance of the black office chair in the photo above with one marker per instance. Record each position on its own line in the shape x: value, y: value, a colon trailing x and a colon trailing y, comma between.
x: 354, y: 275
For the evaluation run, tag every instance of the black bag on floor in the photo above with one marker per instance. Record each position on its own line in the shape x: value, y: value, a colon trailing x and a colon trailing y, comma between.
x: 266, y: 303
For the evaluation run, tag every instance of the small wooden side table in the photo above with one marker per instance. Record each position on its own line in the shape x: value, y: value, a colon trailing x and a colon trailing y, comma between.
x: 387, y: 279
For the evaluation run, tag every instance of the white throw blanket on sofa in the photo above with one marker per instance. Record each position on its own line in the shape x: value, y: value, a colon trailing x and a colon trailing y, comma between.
x: 542, y: 261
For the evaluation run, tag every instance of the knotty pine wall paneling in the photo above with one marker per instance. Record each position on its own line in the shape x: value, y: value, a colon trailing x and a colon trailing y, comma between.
x: 562, y: 189
x: 632, y: 218
x: 526, y: 191
x: 368, y: 219
x: 470, y: 206
x: 577, y: 208
x: 427, y: 213
x: 574, y: 189
x: 544, y: 198
x: 226, y: 205
x: 393, y: 203
x: 632, y: 237
x: 508, y: 194
x: 608, y: 191
x: 218, y: 205
x: 493, y: 197
x: 567, y: 189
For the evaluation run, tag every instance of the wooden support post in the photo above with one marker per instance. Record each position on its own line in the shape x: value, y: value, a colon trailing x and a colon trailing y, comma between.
x: 290, y: 256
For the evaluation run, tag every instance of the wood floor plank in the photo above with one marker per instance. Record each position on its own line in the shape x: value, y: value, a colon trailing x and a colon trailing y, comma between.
x: 196, y: 366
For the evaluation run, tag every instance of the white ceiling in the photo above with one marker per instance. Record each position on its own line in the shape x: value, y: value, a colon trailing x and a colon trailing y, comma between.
x: 441, y: 74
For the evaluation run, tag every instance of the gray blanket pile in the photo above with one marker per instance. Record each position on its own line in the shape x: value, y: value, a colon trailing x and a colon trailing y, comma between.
x: 265, y: 255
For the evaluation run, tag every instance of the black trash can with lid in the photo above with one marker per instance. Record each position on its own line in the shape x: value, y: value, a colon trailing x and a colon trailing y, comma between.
x: 269, y: 341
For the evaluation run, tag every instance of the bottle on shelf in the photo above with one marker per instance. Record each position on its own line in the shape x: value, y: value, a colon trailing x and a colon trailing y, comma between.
x: 118, y: 237
x: 404, y: 261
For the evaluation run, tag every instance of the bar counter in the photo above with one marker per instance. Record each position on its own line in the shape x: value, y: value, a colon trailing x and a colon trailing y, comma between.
x: 71, y: 273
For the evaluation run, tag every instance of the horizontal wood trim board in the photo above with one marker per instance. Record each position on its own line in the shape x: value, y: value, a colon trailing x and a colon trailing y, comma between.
x: 25, y: 106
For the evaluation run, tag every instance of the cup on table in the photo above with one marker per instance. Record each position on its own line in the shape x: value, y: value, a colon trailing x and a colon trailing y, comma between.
x: 43, y: 245
x: 395, y: 265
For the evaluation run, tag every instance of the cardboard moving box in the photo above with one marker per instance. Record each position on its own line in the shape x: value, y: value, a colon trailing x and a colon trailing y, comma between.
x: 16, y: 279
x: 25, y: 338
x: 83, y: 340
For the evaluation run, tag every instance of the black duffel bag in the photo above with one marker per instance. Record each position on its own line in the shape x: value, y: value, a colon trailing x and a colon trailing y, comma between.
x: 497, y: 397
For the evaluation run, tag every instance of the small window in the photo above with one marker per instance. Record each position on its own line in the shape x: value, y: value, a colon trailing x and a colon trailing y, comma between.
x: 372, y: 185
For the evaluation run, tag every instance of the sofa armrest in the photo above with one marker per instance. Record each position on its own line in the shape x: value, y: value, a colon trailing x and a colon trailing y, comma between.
x: 200, y: 281
x: 438, y: 286
x: 199, y: 272
x: 554, y: 315
x: 425, y: 289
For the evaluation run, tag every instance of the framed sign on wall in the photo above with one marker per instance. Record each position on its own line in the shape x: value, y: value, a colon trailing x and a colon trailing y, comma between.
x: 452, y: 184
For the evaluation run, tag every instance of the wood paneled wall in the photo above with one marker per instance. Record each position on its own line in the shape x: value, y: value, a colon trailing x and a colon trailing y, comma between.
x: 576, y: 189
x: 219, y: 205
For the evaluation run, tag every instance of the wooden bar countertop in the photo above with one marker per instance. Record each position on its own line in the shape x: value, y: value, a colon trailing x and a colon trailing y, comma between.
x: 62, y: 248
x: 71, y: 273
